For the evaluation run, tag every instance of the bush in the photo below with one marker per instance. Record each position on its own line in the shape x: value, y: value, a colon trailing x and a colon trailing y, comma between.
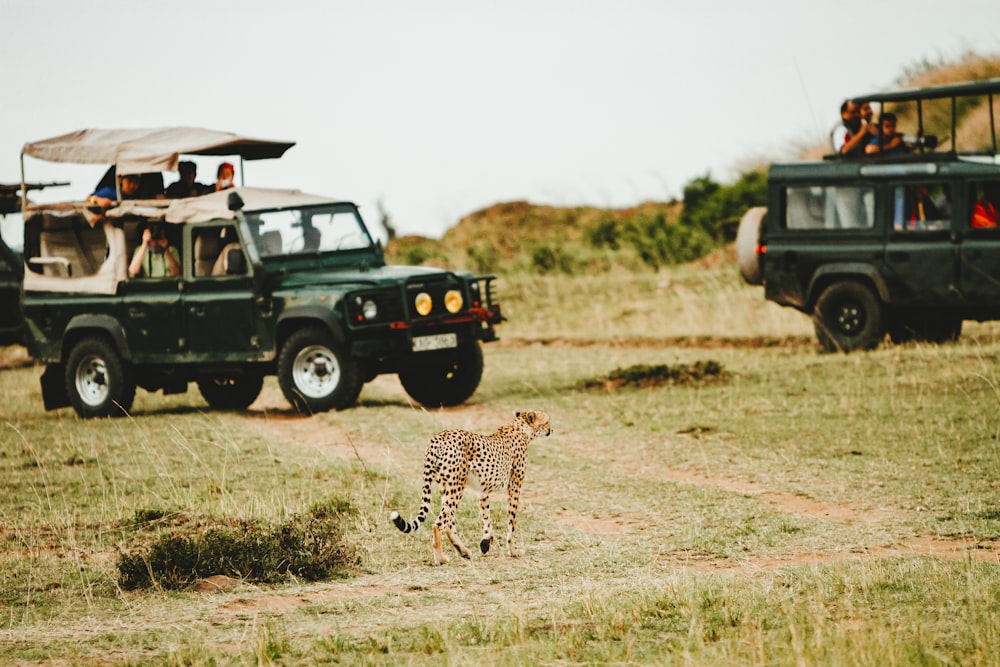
x: 310, y: 546
x: 483, y: 257
x: 716, y: 209
x: 547, y: 258
x: 655, y: 375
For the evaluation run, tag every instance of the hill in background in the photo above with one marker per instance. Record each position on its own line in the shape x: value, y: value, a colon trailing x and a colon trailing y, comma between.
x: 521, y: 236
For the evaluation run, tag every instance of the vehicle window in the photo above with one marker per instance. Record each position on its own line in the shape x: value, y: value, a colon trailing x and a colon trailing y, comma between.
x: 921, y: 207
x: 984, y: 205
x: 307, y: 231
x: 829, y: 207
x: 212, y: 250
x: 64, y: 246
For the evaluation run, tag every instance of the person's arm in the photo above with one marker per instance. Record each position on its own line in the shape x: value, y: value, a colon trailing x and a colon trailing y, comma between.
x: 874, y: 147
x: 856, y: 140
x: 135, y: 267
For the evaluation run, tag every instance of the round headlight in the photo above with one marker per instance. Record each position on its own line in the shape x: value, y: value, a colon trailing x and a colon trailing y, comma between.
x: 453, y: 301
x: 369, y: 310
x: 423, y: 303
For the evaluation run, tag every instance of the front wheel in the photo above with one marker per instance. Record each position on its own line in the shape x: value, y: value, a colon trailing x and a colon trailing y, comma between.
x: 316, y: 374
x: 99, y: 382
x: 447, y: 379
x: 847, y: 317
x: 230, y: 392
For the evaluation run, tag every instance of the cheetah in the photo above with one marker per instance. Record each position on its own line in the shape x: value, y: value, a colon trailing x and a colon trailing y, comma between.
x: 497, y: 461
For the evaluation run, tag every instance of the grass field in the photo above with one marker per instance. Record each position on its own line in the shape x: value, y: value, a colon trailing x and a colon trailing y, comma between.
x: 807, y: 509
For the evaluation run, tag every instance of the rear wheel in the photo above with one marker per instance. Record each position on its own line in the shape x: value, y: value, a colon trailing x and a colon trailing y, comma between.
x: 316, y: 374
x: 446, y: 379
x: 847, y: 317
x: 230, y: 392
x: 99, y: 382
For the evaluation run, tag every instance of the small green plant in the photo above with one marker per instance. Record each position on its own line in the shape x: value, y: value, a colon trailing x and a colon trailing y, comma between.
x: 310, y: 546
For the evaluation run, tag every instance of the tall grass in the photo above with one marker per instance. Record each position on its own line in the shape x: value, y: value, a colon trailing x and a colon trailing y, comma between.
x: 810, y: 508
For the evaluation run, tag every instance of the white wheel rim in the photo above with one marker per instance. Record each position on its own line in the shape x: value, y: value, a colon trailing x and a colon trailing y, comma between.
x: 92, y: 380
x: 316, y: 371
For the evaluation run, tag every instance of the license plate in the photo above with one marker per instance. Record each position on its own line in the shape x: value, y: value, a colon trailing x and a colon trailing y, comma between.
x: 435, y: 342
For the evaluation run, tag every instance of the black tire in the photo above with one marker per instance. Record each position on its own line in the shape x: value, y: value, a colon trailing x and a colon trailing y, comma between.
x: 848, y: 317
x: 99, y: 383
x: 230, y: 392
x: 447, y: 379
x: 316, y: 374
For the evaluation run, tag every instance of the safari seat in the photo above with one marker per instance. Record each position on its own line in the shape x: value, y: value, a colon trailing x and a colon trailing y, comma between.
x: 206, y: 252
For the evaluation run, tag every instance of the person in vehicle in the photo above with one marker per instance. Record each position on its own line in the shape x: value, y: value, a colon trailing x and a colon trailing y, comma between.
x: 865, y: 110
x: 155, y: 257
x: 850, y: 137
x: 886, y: 141
x: 923, y: 209
x: 984, y: 211
x: 107, y: 196
x: 187, y: 186
x: 225, y: 175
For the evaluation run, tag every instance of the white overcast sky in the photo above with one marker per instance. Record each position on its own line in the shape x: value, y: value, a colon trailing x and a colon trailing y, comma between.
x: 438, y: 109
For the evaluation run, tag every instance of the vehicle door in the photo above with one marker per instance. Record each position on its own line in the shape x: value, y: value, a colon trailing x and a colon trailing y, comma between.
x: 821, y: 227
x: 980, y: 247
x: 219, y: 310
x: 921, y: 250
x: 150, y: 308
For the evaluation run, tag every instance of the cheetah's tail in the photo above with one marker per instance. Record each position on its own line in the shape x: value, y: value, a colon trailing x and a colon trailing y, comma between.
x: 403, y: 525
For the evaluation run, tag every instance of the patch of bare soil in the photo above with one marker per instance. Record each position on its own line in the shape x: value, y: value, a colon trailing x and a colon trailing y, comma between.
x: 14, y: 356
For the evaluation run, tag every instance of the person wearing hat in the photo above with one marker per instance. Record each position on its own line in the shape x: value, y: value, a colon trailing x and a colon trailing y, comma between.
x: 108, y: 196
x: 187, y: 186
x: 225, y: 176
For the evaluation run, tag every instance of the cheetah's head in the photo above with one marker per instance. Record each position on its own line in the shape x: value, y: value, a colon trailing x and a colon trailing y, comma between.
x: 537, y: 420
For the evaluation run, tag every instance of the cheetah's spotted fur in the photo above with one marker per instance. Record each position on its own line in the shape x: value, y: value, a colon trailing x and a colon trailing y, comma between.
x: 497, y: 460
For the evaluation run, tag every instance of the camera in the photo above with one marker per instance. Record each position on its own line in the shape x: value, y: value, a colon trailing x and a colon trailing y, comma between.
x: 156, y: 234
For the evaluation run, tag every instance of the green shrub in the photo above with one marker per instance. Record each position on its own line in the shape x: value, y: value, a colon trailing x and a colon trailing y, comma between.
x: 716, y: 209
x: 654, y: 375
x: 310, y: 546
x: 483, y: 257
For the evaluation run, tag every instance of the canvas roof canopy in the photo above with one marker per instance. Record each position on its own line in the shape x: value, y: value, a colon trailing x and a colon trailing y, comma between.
x: 141, y: 150
x: 215, y: 205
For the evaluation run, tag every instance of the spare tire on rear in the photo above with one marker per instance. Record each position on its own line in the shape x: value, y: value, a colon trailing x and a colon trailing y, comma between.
x: 747, y: 243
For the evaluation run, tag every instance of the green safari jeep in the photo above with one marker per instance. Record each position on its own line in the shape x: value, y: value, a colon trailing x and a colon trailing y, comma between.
x: 902, y: 244
x: 271, y: 282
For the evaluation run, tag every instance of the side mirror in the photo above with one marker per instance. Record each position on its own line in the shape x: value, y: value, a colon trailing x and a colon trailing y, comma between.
x: 234, y: 202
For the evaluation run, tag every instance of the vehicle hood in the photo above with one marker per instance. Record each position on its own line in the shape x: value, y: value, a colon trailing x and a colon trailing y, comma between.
x: 374, y: 276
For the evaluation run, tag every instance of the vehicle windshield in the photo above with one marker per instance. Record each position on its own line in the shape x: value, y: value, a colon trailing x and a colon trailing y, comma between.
x: 307, y: 231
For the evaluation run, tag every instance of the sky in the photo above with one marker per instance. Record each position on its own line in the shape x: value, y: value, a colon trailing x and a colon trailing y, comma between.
x: 433, y: 110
